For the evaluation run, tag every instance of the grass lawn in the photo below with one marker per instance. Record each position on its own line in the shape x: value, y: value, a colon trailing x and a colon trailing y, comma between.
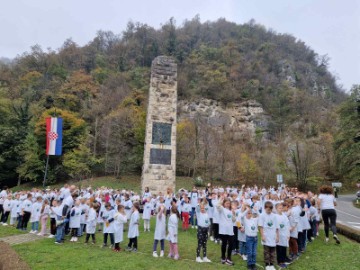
x: 44, y: 254
x: 357, y: 205
x: 8, y: 231
x: 130, y: 182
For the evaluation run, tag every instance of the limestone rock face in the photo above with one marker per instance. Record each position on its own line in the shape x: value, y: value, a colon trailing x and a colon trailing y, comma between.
x: 243, y: 118
x: 287, y: 72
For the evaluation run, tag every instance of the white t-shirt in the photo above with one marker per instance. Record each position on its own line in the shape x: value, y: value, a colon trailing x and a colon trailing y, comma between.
x: 186, y: 208
x: 327, y: 201
x: 251, y: 226
x: 284, y: 230
x: 26, y: 206
x: 214, y: 203
x: 269, y: 224
x: 194, y: 199
x: 3, y: 195
x: 225, y: 221
x: 202, y: 218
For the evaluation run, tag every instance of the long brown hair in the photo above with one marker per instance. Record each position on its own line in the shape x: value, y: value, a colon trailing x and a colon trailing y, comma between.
x: 46, y: 202
x: 174, y: 210
x: 326, y: 190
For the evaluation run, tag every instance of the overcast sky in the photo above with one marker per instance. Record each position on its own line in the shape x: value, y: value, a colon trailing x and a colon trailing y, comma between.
x: 328, y: 26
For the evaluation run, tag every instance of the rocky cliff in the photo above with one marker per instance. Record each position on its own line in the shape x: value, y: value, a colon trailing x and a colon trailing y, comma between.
x: 242, y: 118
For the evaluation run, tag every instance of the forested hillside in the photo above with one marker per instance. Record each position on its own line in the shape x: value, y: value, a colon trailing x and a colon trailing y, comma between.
x: 101, y: 90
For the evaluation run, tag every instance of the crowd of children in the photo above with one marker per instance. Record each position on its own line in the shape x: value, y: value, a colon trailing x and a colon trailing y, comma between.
x: 284, y: 219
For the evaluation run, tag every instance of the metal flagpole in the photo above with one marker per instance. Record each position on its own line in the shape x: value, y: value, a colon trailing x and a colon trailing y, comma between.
x: 46, y: 168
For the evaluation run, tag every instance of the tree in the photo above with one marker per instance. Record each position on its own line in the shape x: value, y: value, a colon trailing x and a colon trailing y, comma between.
x: 347, y: 139
x: 301, y: 160
x: 247, y: 168
x: 32, y: 167
x: 74, y: 134
x: 79, y: 162
x: 185, y: 147
x: 78, y: 93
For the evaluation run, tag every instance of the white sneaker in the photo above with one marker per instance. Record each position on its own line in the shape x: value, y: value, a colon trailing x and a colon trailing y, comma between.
x: 35, y: 232
x: 272, y: 267
x: 244, y: 257
x: 75, y: 239
x: 155, y: 254
x: 192, y: 227
x: 215, y: 241
x: 199, y: 260
x: 162, y: 253
x: 5, y: 224
x: 336, y: 239
x: 31, y: 231
x: 327, y: 240
x: 206, y: 260
x: 51, y: 236
x: 211, y: 238
x: 39, y: 234
x: 268, y: 267
x: 195, y: 227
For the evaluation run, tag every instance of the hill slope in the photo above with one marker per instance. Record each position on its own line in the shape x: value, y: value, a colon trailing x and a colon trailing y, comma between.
x: 101, y: 90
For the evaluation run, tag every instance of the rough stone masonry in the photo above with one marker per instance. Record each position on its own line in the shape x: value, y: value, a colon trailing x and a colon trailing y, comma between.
x: 159, y: 167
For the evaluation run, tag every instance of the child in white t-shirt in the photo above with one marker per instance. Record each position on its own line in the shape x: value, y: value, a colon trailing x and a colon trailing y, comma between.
x: 147, y: 214
x: 108, y: 220
x: 241, y: 235
x: 133, y: 232
x: 35, y: 215
x: 160, y: 231
x: 203, y: 222
x: 185, y: 207
x: 119, y: 221
x: 15, y: 209
x: 7, y: 209
x: 84, y: 210
x: 173, y: 233
x: 44, y: 215
x: 269, y: 230
x: 74, y: 225
x: 284, y: 235
x: 251, y: 231
x: 90, y: 218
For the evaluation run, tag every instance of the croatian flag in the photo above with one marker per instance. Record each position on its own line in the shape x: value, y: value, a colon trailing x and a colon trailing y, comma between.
x: 53, y: 136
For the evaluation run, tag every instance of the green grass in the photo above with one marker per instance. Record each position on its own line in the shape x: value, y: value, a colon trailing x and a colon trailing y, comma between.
x: 44, y: 254
x: 8, y: 231
x: 357, y: 205
x: 131, y: 182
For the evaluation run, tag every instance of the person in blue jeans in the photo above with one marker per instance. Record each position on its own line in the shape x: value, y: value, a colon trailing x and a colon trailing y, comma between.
x: 251, y: 247
x: 251, y: 232
x: 194, y: 201
x: 60, y: 230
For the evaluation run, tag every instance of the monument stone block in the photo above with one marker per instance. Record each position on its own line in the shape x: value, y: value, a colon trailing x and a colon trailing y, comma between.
x: 159, y: 168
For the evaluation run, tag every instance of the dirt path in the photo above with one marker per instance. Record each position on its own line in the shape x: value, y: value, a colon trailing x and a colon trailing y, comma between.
x: 10, y: 260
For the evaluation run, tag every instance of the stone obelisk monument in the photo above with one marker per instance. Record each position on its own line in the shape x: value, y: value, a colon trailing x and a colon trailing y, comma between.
x: 159, y: 168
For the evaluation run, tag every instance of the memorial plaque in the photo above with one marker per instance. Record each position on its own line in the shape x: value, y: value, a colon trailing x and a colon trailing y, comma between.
x: 160, y: 156
x: 161, y: 133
